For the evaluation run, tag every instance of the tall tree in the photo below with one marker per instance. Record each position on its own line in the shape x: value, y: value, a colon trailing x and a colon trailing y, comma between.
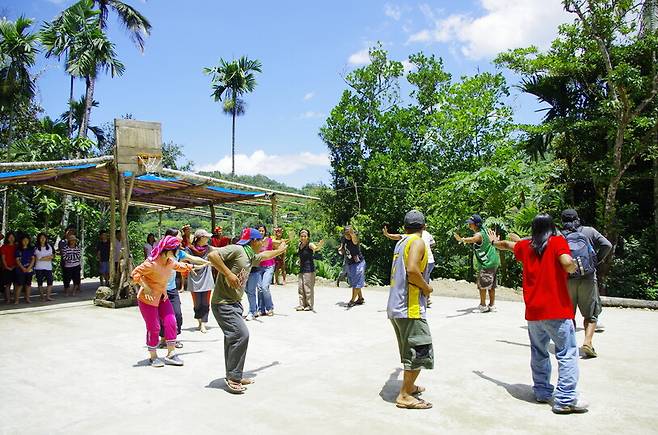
x: 135, y: 23
x: 17, y: 55
x: 231, y: 80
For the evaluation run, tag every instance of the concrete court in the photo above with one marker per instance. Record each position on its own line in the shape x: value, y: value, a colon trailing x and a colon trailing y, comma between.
x: 78, y: 369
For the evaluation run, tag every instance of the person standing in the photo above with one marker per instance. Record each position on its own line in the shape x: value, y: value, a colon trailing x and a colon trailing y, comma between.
x: 71, y: 258
x: 149, y: 245
x: 103, y: 256
x: 152, y: 276
x: 24, y: 269
x: 265, y: 304
x: 429, y: 243
x: 280, y: 261
x: 8, y: 254
x: 406, y: 309
x: 117, y: 251
x: 306, y: 281
x: 583, y: 287
x: 43, y: 268
x: 356, y: 264
x: 487, y: 261
x: 233, y: 263
x: 218, y: 239
x: 200, y: 283
x: 546, y: 260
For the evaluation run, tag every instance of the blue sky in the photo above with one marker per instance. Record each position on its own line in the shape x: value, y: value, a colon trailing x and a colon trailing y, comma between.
x: 305, y: 47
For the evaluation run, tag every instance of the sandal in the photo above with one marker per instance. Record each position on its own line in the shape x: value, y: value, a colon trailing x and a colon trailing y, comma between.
x: 418, y: 404
x: 360, y: 301
x: 418, y: 390
x: 247, y: 381
x: 234, y: 387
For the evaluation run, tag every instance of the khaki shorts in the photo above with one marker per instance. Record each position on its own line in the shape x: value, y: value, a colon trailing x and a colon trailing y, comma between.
x: 487, y: 279
x: 584, y: 293
x: 414, y: 343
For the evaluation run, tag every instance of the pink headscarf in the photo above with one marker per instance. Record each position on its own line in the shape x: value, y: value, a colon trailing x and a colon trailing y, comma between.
x: 167, y: 243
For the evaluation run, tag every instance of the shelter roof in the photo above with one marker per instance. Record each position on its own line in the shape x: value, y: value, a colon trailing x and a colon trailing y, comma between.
x: 92, y: 180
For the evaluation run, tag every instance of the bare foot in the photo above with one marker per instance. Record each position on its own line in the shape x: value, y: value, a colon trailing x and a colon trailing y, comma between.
x: 27, y: 301
x: 202, y: 328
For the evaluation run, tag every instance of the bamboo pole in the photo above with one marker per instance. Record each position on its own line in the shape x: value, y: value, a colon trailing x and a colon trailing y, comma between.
x: 113, y: 223
x: 274, y: 211
x: 213, y: 218
x: 159, y: 224
x: 52, y: 163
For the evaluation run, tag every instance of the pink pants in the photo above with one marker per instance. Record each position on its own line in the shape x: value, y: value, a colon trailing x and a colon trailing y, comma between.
x: 152, y: 316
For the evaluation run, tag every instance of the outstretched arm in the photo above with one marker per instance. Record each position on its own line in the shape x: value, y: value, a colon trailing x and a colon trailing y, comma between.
x: 504, y: 245
x: 477, y: 238
x: 266, y: 255
x: 391, y: 236
x: 317, y: 247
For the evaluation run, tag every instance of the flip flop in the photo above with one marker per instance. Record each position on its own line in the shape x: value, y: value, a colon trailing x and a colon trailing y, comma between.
x: 247, y: 381
x: 418, y: 390
x: 418, y: 404
x: 232, y: 388
x: 589, y: 351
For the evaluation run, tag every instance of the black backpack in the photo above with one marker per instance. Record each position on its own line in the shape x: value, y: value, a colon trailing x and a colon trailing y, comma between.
x: 582, y: 252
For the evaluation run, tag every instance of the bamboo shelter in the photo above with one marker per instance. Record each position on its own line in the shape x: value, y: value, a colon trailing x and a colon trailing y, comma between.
x: 134, y: 176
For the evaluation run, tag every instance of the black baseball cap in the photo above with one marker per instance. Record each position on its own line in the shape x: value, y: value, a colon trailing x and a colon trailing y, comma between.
x: 569, y: 215
x: 475, y: 220
x: 414, y: 219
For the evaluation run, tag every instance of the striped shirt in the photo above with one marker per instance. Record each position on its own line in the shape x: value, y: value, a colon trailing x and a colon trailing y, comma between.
x: 405, y: 300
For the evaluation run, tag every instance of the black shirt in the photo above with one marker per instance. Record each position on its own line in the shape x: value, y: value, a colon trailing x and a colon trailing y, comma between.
x: 104, y: 250
x: 306, y: 262
x: 352, y: 251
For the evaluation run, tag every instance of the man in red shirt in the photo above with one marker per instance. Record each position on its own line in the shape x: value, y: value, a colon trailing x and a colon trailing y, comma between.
x: 546, y: 259
x: 218, y: 239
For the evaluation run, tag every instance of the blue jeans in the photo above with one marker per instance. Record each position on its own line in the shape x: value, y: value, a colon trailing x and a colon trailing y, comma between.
x: 563, y: 334
x: 252, y: 288
x: 264, y: 295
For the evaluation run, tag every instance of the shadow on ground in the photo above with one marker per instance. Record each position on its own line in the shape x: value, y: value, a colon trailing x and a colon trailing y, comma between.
x: 220, y: 383
x: 522, y: 392
x: 391, y: 388
x: 87, y: 293
x: 465, y: 312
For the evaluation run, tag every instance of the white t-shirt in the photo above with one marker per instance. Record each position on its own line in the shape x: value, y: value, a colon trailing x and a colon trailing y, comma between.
x: 148, y: 248
x: 429, y: 241
x: 45, y: 251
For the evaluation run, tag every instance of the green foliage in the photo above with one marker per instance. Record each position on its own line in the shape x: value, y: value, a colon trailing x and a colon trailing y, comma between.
x: 632, y: 274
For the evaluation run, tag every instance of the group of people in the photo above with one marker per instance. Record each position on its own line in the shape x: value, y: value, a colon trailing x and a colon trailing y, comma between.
x: 23, y: 259
x: 559, y: 276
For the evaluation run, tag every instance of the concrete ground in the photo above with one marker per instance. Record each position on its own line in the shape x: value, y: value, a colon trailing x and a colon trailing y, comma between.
x: 74, y: 368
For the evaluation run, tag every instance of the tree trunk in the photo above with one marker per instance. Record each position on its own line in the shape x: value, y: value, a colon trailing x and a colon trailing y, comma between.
x: 655, y: 208
x: 4, y: 211
x: 70, y: 124
x: 89, y: 98
x: 82, y: 245
x: 233, y: 140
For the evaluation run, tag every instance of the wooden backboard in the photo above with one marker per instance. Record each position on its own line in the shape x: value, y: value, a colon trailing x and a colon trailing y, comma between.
x: 135, y: 138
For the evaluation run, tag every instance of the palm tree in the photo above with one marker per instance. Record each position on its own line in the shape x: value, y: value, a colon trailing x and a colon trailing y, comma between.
x: 76, y: 114
x: 17, y: 55
x: 135, y: 23
x: 230, y: 80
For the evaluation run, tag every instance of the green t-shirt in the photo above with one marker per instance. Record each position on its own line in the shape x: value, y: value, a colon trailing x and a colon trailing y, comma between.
x: 240, y: 260
x: 486, y: 255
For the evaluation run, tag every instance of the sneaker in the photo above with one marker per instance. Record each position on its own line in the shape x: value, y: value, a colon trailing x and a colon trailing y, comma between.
x: 157, y: 362
x: 270, y: 313
x: 299, y: 308
x: 543, y: 399
x: 308, y: 309
x: 178, y: 345
x: 576, y: 408
x: 257, y: 314
x: 492, y: 308
x: 249, y: 317
x: 173, y: 360
x: 483, y: 308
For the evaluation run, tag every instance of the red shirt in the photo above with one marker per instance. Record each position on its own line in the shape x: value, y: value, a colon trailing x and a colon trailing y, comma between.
x: 9, y: 252
x: 545, y: 281
x: 219, y: 242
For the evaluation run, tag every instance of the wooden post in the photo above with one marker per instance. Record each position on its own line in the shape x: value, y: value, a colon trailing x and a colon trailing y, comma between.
x: 159, y: 224
x: 4, y: 211
x: 274, y: 214
x: 111, y: 169
x: 213, y: 218
x: 125, y: 260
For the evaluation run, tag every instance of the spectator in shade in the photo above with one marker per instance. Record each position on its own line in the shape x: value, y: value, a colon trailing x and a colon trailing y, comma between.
x: 149, y: 245
x: 71, y: 255
x: 103, y: 257
x: 117, y: 250
x: 24, y: 269
x: 8, y: 254
x: 43, y: 268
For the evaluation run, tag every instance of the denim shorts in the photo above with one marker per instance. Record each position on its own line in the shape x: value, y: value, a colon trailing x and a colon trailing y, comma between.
x: 44, y: 275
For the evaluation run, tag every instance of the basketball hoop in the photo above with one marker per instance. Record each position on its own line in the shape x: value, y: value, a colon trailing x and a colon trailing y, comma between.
x: 151, y: 163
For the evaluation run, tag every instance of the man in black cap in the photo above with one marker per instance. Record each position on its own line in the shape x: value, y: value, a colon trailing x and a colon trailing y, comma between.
x: 583, y: 287
x: 407, y: 307
x: 487, y: 261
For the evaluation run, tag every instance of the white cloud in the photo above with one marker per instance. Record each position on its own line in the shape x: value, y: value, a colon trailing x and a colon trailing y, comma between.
x: 407, y: 65
x: 309, y: 95
x: 269, y: 165
x: 392, y: 11
x: 361, y: 57
x: 309, y: 114
x: 505, y: 24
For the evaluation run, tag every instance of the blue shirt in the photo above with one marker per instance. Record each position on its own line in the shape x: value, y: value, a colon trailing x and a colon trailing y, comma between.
x: 171, y: 284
